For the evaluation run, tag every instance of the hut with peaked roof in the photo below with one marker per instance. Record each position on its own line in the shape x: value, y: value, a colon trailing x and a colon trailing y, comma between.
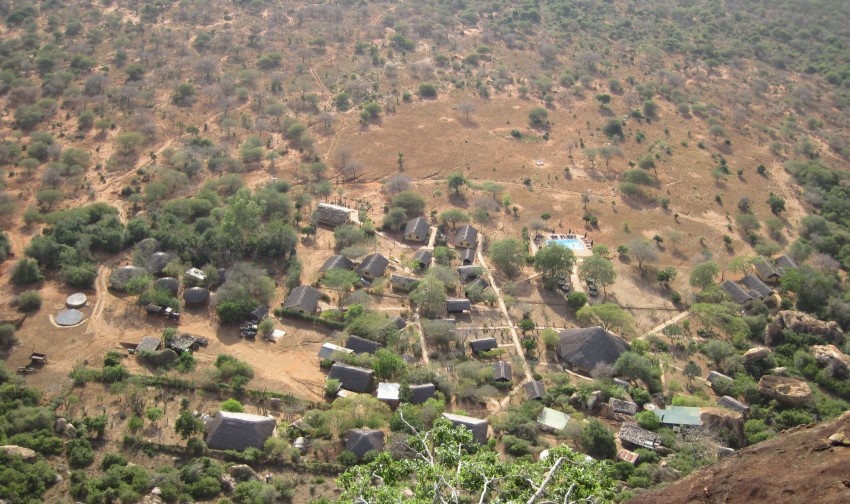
x: 467, y: 273
x: 373, y: 266
x: 478, y: 426
x: 361, y: 441
x: 417, y: 229
x: 303, y: 299
x: 422, y: 392
x: 584, y: 349
x: 259, y: 313
x: 467, y: 256
x: 755, y: 285
x: 785, y: 263
x: 148, y: 344
x: 466, y: 237
x: 733, y: 404
x: 478, y: 284
x: 337, y: 262
x: 765, y: 270
x: 552, y: 420
x: 156, y: 262
x: 403, y: 283
x: 534, y: 390
x: 399, y: 323
x: 423, y: 258
x: 360, y: 345
x: 483, y: 345
x: 634, y: 436
x: 238, y: 431
x: 458, y: 305
x: 332, y: 215
x: 502, y: 371
x: 327, y: 351
x: 737, y: 293
x: 352, y: 378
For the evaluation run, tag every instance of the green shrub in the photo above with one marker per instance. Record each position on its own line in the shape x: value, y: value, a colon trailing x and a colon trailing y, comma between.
x: 232, y: 405
x: 648, y: 420
x: 79, y: 453
x: 347, y: 458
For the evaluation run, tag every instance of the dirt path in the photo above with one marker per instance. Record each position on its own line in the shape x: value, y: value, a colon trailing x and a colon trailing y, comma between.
x: 659, y: 328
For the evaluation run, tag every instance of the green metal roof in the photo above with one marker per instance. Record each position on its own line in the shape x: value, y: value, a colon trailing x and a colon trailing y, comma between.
x: 679, y: 415
x: 553, y: 418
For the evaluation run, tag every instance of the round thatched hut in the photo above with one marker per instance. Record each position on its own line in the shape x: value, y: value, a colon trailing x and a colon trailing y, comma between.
x: 169, y: 284
x: 196, y: 296
x: 156, y: 262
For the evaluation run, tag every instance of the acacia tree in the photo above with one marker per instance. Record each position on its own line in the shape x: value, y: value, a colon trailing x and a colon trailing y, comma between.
x: 643, y: 251
x: 456, y: 180
x: 608, y: 315
x: 508, y: 255
x: 340, y: 280
x: 553, y: 262
x: 430, y: 296
x: 599, y: 269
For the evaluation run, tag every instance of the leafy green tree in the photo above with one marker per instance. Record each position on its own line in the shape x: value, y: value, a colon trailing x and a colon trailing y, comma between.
x: 703, y: 274
x: 454, y: 216
x: 633, y: 366
x: 444, y: 255
x: 456, y: 180
x: 508, y: 255
x: 28, y: 301
x: 26, y: 271
x: 341, y: 281
x: 387, y: 364
x: 642, y: 251
x: 430, y: 297
x: 718, y: 350
x: 597, y: 440
x: 576, y: 299
x: 608, y: 315
x: 777, y: 204
x: 692, y: 370
x: 153, y: 414
x: 538, y: 117
x: 554, y: 262
x: 603, y: 99
x: 648, y: 420
x: 411, y: 202
x: 666, y: 275
x: 232, y: 405
x: 395, y: 219
x: 599, y: 269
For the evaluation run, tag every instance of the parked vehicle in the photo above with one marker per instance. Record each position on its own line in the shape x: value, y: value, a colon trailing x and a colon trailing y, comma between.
x: 162, y: 311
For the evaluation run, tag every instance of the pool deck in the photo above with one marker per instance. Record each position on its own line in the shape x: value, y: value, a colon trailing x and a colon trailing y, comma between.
x: 540, y: 240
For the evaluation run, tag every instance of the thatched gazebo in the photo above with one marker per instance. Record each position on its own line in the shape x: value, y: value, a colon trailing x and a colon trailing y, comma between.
x: 196, y: 296
x: 169, y: 284
x: 120, y: 277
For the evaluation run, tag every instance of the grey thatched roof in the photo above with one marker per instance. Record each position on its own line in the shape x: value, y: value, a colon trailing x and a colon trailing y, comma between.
x: 585, y: 348
x: 733, y: 404
x: 360, y: 441
x: 736, y: 292
x: 417, y: 227
x: 786, y: 263
x: 303, y: 297
x: 714, y: 376
x: 466, y: 233
x: 169, y: 284
x: 424, y: 256
x: 403, y: 282
x: 351, y: 378
x: 467, y: 256
x: 399, y: 322
x: 196, y: 295
x: 478, y: 426
x: 332, y: 215
x: 148, y: 344
x: 238, y: 431
x: 373, y: 265
x: 361, y: 345
x: 765, y: 269
x: 458, y: 305
x: 337, y: 262
x: 422, y: 392
x: 477, y: 283
x: 467, y: 273
x: 259, y: 313
x: 119, y: 277
x: 624, y: 407
x: 327, y: 350
x: 502, y: 371
x: 483, y: 344
x: 156, y: 262
x: 754, y: 283
x: 631, y: 432
x: 534, y: 389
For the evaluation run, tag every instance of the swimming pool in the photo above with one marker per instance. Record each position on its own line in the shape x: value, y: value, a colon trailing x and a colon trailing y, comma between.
x: 570, y: 243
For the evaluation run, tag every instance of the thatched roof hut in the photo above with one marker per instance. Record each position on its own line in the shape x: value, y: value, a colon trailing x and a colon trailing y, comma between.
x: 360, y: 441
x: 585, y: 348
x: 196, y: 296
x: 478, y: 426
x: 156, y: 262
x: 239, y: 431
x: 169, y: 284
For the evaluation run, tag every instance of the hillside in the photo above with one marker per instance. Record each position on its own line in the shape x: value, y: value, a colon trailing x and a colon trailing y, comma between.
x: 806, y: 464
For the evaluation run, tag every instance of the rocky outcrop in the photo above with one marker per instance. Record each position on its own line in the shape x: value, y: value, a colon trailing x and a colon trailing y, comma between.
x: 242, y: 472
x: 801, y: 323
x: 832, y: 357
x: 755, y: 354
x: 722, y: 421
x: 24, y: 453
x: 788, y: 391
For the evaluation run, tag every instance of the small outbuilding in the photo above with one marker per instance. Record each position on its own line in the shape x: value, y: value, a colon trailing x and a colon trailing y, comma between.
x: 467, y: 256
x: 168, y: 284
x: 478, y: 426
x: 332, y: 215
x: 467, y: 273
x: 466, y: 237
x: 619, y: 406
x: 148, y: 344
x: 502, y: 371
x: 303, y: 299
x: 422, y: 392
x: 239, y: 431
x: 337, y: 262
x: 754, y: 284
x: 733, y: 404
x: 327, y: 351
x: 479, y: 284
x: 259, y: 314
x: 422, y: 258
x: 737, y: 293
x: 352, y: 378
x: 362, y: 441
x: 765, y: 270
x: 417, y: 229
x: 196, y: 275
x: 534, y: 390
x: 403, y: 283
x: 483, y: 345
x: 633, y: 436
x: 389, y: 393
x: 552, y: 420
x: 784, y: 264
x: 373, y: 266
x: 458, y: 305
x: 679, y: 415
x: 360, y: 345
x: 156, y: 262
x: 196, y: 296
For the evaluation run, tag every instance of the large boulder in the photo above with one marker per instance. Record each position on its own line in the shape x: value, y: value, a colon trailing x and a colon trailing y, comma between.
x: 801, y: 323
x: 242, y: 472
x: 788, y: 391
x: 723, y: 422
x: 60, y: 425
x: 754, y: 354
x: 24, y: 453
x: 831, y: 356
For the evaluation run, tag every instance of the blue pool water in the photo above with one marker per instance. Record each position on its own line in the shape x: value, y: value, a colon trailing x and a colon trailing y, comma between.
x: 570, y: 243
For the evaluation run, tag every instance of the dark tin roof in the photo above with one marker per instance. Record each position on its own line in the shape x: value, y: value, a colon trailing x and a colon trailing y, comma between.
x: 259, y: 313
x: 467, y: 255
x: 732, y: 404
x: 337, y: 262
x: 534, y: 389
x: 786, y: 262
x: 418, y: 226
x: 239, y: 431
x: 630, y: 432
x: 305, y: 297
x: 403, y: 282
x: 351, y: 378
x: 399, y: 322
x: 361, y: 345
x: 763, y: 267
x: 736, y: 292
x: 484, y: 344
x: 373, y: 264
x: 620, y: 406
x: 502, y: 371
x: 469, y: 272
x: 458, y: 305
x: 422, y: 392
x: 478, y: 426
x: 478, y: 282
x: 753, y: 282
x: 587, y: 347
x: 466, y: 233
